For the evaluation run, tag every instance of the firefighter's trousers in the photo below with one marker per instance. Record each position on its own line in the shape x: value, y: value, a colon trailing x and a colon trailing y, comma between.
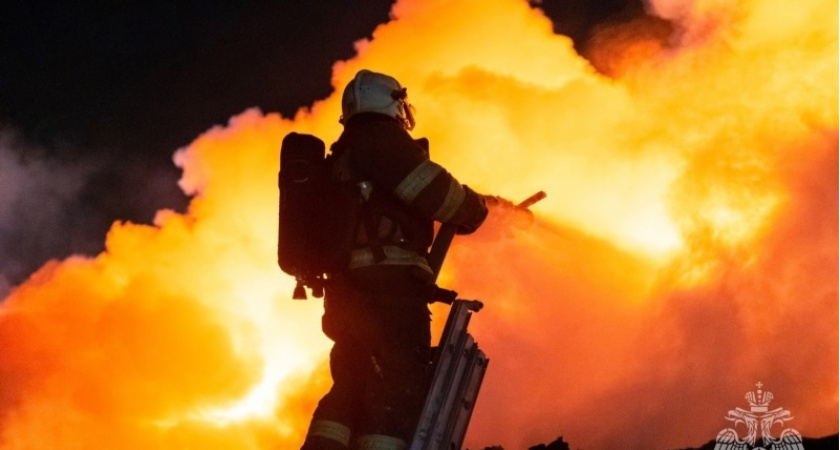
x: 379, y: 319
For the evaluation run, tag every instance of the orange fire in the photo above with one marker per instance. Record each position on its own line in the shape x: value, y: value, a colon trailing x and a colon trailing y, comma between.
x: 686, y: 250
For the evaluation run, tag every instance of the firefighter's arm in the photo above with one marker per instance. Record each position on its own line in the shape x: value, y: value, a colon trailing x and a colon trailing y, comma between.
x: 432, y: 191
x: 425, y: 186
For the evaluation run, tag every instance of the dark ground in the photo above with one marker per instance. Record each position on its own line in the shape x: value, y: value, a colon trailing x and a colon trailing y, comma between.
x: 824, y: 443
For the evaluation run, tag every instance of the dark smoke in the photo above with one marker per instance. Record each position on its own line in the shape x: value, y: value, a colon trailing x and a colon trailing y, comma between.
x: 41, y: 213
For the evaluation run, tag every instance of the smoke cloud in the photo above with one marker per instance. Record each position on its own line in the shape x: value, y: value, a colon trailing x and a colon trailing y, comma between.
x: 687, y: 248
x: 39, y: 202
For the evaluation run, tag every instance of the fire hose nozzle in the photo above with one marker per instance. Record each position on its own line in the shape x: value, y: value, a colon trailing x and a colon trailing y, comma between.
x: 523, y: 218
x: 528, y: 202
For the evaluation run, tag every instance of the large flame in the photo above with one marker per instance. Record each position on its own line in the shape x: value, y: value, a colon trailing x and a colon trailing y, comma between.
x: 687, y: 249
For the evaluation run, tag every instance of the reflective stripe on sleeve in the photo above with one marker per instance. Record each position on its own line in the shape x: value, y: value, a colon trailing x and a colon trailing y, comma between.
x: 330, y: 430
x: 417, y: 180
x: 379, y: 442
x: 454, y: 199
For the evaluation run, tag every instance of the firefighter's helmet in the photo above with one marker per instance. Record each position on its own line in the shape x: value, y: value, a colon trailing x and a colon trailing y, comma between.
x: 376, y: 92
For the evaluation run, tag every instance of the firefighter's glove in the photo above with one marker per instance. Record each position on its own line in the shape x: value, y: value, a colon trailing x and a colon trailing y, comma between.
x: 503, y: 216
x: 494, y: 201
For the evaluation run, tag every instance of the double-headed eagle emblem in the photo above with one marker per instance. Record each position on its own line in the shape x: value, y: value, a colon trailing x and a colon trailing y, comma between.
x: 760, y: 419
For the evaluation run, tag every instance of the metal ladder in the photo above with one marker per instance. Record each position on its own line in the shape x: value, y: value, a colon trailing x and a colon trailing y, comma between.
x: 459, y: 369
